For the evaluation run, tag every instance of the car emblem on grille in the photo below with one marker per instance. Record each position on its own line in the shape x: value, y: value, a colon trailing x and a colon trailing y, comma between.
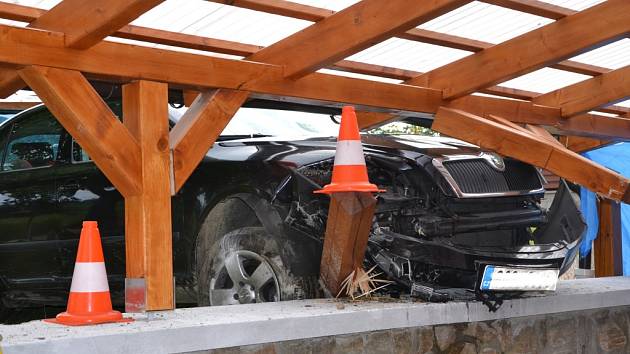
x: 495, y: 161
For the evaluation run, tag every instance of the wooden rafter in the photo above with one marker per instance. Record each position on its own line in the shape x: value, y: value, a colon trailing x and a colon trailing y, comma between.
x: 362, y: 24
x: 198, y: 129
x: 590, y: 94
x: 198, y: 71
x: 92, y: 20
x: 532, y: 149
x: 82, y: 112
x: 97, y: 20
x: 533, y: 50
x: 29, y: 14
x: 315, y: 14
x: 534, y: 7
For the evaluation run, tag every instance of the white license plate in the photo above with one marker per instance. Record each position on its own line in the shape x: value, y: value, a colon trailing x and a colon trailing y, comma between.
x: 519, y: 279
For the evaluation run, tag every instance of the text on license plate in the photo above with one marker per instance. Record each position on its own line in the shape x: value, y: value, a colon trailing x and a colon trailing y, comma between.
x: 518, y: 279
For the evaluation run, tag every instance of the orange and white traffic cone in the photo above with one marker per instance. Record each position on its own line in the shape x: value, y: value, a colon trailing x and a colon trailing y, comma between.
x: 349, y: 171
x: 89, y: 301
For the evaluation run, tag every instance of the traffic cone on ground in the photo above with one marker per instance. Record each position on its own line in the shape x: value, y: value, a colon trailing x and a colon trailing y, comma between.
x: 89, y: 301
x: 349, y: 171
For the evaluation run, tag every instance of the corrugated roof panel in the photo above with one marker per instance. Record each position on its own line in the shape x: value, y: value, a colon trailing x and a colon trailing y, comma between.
x: 485, y: 22
x: 220, y: 21
x: 43, y: 4
x: 544, y: 80
x: 409, y: 55
x: 613, y: 56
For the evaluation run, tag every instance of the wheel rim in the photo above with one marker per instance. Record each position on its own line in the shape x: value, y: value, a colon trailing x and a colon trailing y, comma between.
x: 244, y: 277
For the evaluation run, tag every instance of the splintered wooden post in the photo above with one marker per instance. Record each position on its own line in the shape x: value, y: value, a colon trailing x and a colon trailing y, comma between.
x: 347, y: 230
x: 607, y: 245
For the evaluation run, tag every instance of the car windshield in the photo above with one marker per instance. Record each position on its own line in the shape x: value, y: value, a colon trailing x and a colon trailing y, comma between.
x: 273, y: 122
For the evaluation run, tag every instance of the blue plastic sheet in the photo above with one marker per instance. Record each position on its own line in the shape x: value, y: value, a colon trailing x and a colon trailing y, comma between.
x: 617, y: 158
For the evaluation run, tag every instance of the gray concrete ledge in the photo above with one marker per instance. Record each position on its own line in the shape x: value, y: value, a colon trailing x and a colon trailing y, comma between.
x: 194, y: 329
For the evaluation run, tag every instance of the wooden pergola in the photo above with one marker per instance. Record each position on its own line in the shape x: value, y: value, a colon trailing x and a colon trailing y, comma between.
x: 61, y: 49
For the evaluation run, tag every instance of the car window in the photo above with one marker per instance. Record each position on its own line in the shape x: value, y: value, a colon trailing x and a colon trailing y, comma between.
x: 34, y: 142
x: 78, y: 154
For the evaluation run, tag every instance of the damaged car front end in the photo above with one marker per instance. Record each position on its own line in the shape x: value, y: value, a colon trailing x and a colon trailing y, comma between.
x: 452, y: 215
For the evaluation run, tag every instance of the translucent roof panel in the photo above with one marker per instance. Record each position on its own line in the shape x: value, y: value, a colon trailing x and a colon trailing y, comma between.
x: 611, y: 56
x: 213, y: 20
x: 44, y: 4
x: 545, y: 80
x: 409, y: 55
x: 485, y: 22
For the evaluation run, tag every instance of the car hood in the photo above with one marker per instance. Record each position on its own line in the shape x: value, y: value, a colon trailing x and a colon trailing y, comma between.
x: 301, y: 151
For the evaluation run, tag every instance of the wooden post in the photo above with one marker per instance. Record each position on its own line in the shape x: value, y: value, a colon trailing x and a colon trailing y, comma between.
x: 148, y: 233
x: 607, y: 245
x: 347, y: 230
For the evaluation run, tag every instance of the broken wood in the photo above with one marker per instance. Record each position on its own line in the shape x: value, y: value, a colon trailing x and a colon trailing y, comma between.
x: 527, y: 147
x: 345, y: 242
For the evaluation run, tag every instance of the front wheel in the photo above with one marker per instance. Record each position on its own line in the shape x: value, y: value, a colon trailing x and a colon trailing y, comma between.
x: 248, y: 265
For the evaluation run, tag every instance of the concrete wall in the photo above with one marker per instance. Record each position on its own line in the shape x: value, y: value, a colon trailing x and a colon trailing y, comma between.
x: 593, y: 331
x: 582, y: 316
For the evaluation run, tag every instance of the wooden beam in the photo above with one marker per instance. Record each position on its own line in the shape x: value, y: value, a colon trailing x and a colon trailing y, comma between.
x: 281, y: 8
x: 589, y: 94
x: 20, y: 46
x: 148, y: 232
x: 531, y: 149
x: 543, y: 134
x: 15, y: 105
x: 363, y: 24
x: 534, y: 7
x: 581, y: 144
x: 347, y: 230
x: 87, y: 118
x: 199, y: 127
x: 10, y: 82
x: 97, y: 20
x: 572, y: 35
x: 311, y: 13
x: 20, y: 13
x: 91, y: 20
x: 607, y: 246
x: 29, y: 14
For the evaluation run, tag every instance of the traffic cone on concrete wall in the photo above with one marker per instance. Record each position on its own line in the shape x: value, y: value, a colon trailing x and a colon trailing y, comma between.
x: 349, y: 171
x: 89, y: 301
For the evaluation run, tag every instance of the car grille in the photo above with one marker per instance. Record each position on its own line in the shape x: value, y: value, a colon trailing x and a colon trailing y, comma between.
x: 477, y: 176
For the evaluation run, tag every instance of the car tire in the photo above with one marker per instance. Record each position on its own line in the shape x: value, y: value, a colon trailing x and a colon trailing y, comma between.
x: 248, y: 265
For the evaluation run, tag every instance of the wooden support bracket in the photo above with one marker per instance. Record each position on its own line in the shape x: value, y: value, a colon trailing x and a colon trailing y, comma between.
x: 82, y: 112
x: 347, y: 230
x: 199, y: 128
x: 148, y: 232
x: 525, y: 146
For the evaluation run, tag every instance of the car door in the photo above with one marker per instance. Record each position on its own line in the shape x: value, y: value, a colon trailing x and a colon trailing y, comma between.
x: 28, y: 215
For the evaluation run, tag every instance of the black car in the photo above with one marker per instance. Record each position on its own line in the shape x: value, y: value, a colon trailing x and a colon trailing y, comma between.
x: 247, y: 226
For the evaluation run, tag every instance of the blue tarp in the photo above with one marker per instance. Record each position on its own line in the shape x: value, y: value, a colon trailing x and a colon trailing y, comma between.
x: 617, y: 158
